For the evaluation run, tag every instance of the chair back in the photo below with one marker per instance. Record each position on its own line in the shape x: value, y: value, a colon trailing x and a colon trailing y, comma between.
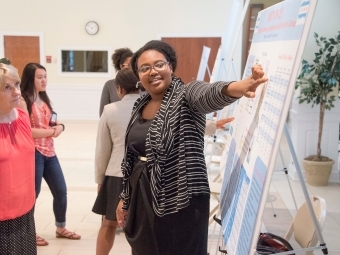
x: 303, y: 226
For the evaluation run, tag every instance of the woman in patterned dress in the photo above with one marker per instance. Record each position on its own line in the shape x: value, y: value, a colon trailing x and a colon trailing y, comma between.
x: 44, y: 130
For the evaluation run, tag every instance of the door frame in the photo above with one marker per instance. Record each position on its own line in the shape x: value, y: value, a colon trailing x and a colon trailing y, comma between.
x: 189, y: 35
x: 20, y: 33
x: 193, y: 35
x: 237, y: 52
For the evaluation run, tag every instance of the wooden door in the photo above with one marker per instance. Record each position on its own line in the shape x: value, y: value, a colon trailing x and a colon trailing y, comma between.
x: 189, y: 53
x: 22, y: 50
x: 254, y: 9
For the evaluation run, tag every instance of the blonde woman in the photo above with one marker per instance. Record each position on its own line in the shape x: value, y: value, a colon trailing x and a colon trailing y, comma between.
x: 17, y: 228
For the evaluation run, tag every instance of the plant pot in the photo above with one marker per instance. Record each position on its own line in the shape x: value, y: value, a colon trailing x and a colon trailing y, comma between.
x: 317, y: 172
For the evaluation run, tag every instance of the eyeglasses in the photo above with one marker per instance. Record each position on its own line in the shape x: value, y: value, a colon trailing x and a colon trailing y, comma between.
x: 5, y: 61
x: 158, y: 67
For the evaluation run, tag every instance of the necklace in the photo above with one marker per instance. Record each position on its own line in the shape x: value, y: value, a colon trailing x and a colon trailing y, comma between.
x: 12, y: 134
x: 8, y: 120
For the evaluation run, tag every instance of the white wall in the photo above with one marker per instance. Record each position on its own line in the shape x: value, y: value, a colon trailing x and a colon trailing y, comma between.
x: 303, y: 119
x: 127, y: 23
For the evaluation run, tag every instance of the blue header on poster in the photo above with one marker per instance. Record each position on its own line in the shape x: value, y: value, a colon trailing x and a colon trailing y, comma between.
x: 282, y: 23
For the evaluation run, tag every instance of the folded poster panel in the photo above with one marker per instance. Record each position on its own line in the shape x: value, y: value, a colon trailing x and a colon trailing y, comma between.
x: 203, y: 64
x: 253, y: 140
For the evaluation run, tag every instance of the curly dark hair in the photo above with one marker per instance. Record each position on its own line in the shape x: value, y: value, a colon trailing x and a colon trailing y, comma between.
x: 119, y: 57
x: 127, y: 80
x: 160, y: 46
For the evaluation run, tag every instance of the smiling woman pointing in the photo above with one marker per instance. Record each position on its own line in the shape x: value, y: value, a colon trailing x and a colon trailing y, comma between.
x: 165, y: 200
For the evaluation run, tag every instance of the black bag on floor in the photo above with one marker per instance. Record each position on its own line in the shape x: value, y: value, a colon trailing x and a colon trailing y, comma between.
x: 269, y: 243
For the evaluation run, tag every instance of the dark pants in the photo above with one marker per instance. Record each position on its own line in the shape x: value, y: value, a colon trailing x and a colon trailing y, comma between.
x: 49, y: 169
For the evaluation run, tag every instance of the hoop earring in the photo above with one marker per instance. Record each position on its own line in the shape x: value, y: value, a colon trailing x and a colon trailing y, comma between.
x: 137, y: 85
x: 118, y: 90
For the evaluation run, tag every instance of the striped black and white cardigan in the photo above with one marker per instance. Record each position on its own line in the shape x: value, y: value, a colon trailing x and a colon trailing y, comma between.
x: 175, y: 144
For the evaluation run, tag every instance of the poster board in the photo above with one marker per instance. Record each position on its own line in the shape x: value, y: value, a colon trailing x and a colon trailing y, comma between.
x: 203, y: 63
x: 254, y: 136
x: 226, y: 50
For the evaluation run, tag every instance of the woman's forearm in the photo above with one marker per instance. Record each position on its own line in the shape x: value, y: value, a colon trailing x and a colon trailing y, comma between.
x: 42, y: 132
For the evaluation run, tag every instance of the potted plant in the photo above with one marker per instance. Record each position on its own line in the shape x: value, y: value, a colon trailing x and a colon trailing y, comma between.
x: 317, y: 82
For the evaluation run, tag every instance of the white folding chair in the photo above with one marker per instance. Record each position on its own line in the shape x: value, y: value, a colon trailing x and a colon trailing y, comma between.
x: 302, y: 226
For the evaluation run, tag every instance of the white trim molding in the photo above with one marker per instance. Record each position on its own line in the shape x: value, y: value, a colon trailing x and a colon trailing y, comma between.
x: 73, y: 102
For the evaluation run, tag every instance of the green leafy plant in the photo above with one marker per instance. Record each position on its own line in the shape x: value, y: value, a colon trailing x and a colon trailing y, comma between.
x: 318, y: 80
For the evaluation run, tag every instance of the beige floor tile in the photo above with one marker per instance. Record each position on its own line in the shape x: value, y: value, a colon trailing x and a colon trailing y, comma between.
x: 48, y: 251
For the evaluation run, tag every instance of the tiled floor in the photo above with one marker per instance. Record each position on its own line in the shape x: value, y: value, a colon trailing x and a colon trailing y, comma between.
x: 75, y: 149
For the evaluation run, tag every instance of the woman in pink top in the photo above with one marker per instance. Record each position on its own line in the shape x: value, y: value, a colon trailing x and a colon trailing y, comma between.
x: 17, y: 194
x: 44, y: 129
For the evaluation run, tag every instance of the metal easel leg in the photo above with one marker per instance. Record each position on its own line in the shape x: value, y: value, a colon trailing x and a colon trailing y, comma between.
x: 218, y: 241
x: 287, y: 176
x: 305, y: 191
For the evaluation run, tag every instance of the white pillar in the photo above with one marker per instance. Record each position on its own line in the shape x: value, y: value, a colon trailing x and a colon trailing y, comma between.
x: 304, y: 124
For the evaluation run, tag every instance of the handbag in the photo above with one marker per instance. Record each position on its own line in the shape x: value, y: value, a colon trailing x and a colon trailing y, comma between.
x: 269, y: 243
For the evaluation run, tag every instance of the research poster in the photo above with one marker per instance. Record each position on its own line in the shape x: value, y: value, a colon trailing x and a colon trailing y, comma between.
x: 254, y: 135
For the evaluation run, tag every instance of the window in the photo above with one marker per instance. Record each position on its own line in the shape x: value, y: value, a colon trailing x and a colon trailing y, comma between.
x: 85, y: 63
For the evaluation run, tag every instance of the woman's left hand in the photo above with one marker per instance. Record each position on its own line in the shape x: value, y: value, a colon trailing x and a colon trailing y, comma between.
x: 58, y: 129
x: 220, y: 123
x: 248, y: 86
x: 121, y: 215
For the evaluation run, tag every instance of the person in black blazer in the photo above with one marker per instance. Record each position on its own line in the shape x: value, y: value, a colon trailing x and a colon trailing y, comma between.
x: 120, y: 60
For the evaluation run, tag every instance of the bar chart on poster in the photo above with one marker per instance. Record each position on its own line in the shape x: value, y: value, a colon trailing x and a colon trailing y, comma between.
x: 254, y: 136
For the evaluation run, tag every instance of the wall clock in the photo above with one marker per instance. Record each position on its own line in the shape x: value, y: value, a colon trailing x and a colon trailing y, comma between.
x: 92, y: 27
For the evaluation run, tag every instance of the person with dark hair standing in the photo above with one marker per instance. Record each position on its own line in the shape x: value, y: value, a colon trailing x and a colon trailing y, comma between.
x: 164, y: 205
x: 38, y: 105
x: 17, y: 194
x: 120, y: 59
x: 109, y: 155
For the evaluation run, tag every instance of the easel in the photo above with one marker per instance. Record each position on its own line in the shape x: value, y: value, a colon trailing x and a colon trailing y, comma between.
x: 229, y: 48
x: 218, y: 116
x: 220, y: 65
x: 285, y: 170
x: 236, y: 223
x: 204, y: 64
x: 322, y: 244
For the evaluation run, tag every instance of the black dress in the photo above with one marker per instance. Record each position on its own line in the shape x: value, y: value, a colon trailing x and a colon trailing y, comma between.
x: 17, y: 236
x: 181, y: 233
x: 108, y: 197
